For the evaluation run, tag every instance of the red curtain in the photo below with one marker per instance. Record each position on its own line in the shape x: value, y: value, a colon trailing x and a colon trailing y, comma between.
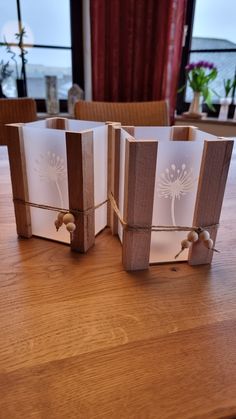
x: 136, y: 49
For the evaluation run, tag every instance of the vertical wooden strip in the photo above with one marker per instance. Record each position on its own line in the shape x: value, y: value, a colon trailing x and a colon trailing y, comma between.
x: 179, y: 133
x: 19, y: 179
x: 81, y: 187
x: 57, y: 123
x: 211, y: 187
x: 183, y: 133
x: 129, y: 129
x: 110, y: 175
x: 115, y: 171
x: 115, y: 177
x: 140, y: 169
x: 192, y: 133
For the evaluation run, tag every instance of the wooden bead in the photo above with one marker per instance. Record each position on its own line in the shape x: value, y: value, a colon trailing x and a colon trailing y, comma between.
x: 68, y: 218
x: 70, y: 227
x: 208, y: 243
x: 204, y: 235
x: 185, y: 244
x: 192, y: 236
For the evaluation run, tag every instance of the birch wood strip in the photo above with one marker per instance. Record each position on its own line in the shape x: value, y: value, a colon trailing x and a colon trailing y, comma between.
x: 81, y: 187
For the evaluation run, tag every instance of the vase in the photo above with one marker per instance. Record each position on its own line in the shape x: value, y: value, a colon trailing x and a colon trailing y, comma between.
x: 21, y: 88
x: 52, y: 102
x: 195, y: 108
x: 224, y: 108
x: 75, y: 93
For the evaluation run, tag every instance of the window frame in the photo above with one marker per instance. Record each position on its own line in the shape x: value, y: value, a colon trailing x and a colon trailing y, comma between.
x: 76, y: 49
x: 181, y: 104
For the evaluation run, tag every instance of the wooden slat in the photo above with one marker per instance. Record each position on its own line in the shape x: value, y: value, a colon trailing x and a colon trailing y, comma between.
x: 183, y: 133
x: 115, y: 176
x: 111, y: 132
x: 211, y: 187
x: 81, y: 187
x: 115, y: 171
x: 129, y: 128
x: 57, y: 123
x: 140, y: 169
x: 19, y: 179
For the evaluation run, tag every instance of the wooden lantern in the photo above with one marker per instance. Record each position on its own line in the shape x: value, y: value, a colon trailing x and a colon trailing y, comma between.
x: 59, y: 163
x: 166, y: 176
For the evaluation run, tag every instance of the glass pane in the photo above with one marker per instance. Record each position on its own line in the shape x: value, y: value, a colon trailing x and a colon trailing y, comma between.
x: 8, y: 84
x: 225, y: 63
x: 214, y: 25
x: 8, y: 18
x: 48, y: 20
x: 48, y: 62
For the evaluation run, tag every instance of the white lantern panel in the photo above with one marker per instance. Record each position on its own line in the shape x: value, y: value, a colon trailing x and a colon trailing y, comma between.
x: 78, y: 125
x: 46, y: 168
x: 178, y: 168
x: 152, y: 133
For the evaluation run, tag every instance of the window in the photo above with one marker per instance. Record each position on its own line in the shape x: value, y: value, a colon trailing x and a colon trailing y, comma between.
x: 52, y: 41
x: 211, y: 37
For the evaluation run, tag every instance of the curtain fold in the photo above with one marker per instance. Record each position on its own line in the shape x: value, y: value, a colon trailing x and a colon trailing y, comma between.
x: 136, y: 49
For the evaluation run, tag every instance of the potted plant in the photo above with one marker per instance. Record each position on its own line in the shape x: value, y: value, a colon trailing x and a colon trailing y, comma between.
x: 5, y: 72
x: 229, y: 85
x: 20, y: 74
x: 199, y: 76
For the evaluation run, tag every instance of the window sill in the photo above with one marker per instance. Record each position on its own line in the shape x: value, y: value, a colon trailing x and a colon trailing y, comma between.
x: 212, y: 125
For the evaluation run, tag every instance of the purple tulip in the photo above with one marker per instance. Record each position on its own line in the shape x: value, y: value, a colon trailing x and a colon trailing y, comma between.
x: 200, y: 64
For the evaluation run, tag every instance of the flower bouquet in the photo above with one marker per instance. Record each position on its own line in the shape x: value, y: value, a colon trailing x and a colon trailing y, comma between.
x: 199, y: 75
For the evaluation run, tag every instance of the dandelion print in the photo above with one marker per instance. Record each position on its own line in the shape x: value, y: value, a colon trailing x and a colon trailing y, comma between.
x: 174, y: 183
x: 51, y: 169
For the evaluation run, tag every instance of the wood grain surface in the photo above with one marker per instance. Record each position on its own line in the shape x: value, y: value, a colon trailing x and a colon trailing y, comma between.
x: 82, y: 338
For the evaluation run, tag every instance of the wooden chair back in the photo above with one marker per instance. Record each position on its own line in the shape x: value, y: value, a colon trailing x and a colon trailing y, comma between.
x: 15, y: 110
x: 128, y: 113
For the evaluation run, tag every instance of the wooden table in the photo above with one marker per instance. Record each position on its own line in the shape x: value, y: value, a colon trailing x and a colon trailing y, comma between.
x: 81, y: 338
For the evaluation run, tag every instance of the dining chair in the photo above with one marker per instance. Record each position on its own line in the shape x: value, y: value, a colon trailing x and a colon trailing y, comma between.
x: 128, y: 113
x: 15, y: 110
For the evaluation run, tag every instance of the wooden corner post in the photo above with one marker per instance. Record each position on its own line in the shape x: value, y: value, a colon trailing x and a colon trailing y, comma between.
x: 114, y: 138
x: 57, y: 123
x: 140, y: 171
x: 114, y: 170
x: 183, y: 133
x: 19, y: 179
x: 211, y: 187
x: 80, y: 168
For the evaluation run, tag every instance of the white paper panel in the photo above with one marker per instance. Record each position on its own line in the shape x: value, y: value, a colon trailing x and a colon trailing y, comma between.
x: 152, y: 133
x: 178, y: 166
x: 78, y: 125
x: 46, y: 167
x: 201, y: 136
x: 100, y: 176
